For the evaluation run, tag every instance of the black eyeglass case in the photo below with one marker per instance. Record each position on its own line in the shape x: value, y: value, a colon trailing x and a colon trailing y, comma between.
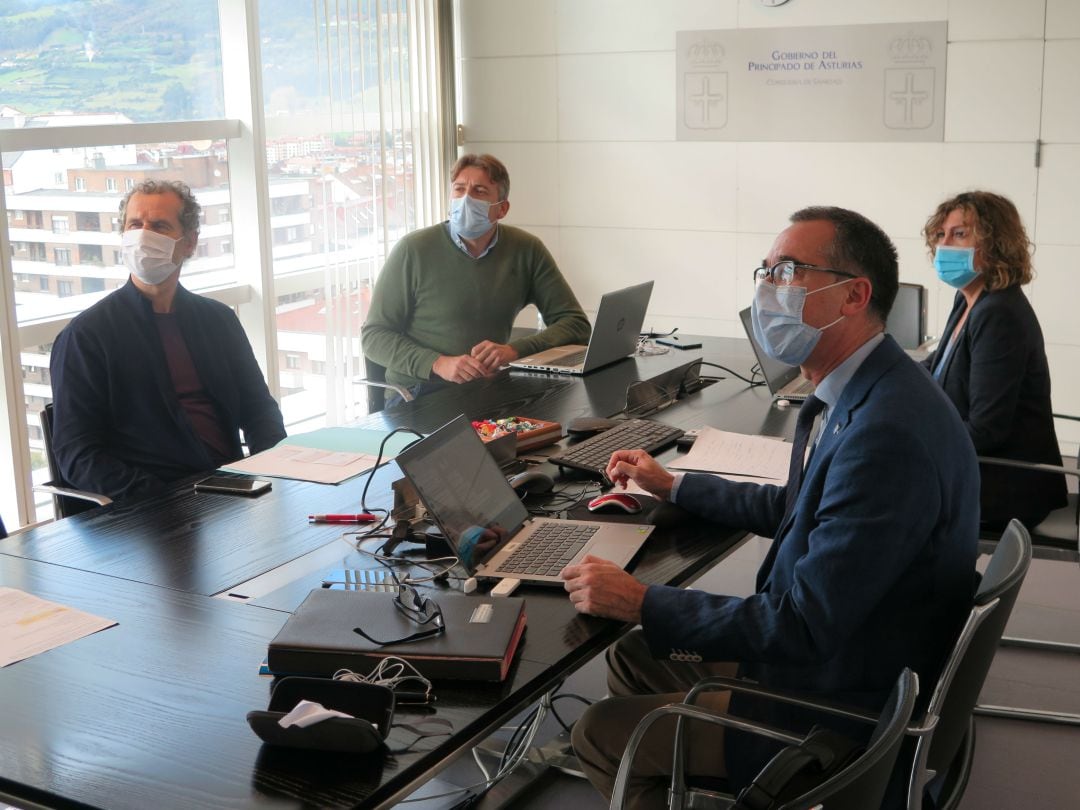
x: 371, y: 708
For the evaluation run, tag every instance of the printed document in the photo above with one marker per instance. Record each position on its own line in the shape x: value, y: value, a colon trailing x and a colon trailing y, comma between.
x: 761, y: 459
x: 326, y: 456
x: 29, y: 625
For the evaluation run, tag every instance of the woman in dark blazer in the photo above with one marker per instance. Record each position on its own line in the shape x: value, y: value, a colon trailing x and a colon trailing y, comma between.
x: 991, y: 360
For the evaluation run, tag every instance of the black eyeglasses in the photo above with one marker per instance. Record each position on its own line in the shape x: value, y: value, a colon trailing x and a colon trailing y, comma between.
x: 419, y: 609
x: 783, y: 273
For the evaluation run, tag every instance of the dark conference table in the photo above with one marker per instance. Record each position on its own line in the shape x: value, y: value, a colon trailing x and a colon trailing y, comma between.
x: 152, y: 712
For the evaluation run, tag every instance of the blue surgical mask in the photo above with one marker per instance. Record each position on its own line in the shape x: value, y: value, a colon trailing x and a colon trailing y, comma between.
x: 955, y: 265
x: 776, y: 315
x: 469, y: 217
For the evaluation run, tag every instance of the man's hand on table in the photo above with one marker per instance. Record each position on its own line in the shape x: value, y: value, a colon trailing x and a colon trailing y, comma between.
x: 459, y: 368
x: 601, y: 588
x: 493, y: 356
x: 641, y: 468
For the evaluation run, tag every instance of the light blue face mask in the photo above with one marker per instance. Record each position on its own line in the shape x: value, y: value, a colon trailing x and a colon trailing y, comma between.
x: 776, y: 316
x: 955, y: 265
x: 469, y: 217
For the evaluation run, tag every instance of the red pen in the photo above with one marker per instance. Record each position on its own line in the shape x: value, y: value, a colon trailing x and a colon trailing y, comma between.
x: 362, y: 517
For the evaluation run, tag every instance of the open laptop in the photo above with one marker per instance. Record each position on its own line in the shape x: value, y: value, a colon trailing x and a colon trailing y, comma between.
x: 614, y: 335
x: 785, y: 382
x: 467, y: 495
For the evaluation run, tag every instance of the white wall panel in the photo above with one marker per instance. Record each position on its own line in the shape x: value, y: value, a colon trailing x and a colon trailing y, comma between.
x: 1065, y: 391
x: 601, y: 26
x: 534, y: 179
x: 617, y: 97
x: 752, y: 14
x: 1062, y: 18
x: 1004, y: 168
x: 893, y: 184
x: 508, y: 28
x: 648, y: 185
x: 693, y: 271
x: 1061, y: 92
x: 511, y: 99
x: 1059, y: 196
x: 1053, y: 292
x: 992, y: 91
x: 995, y: 19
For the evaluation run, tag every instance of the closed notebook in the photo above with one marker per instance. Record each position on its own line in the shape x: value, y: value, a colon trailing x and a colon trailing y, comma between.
x: 479, y: 642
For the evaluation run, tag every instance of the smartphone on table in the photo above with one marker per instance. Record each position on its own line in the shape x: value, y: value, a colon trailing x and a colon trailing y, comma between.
x: 249, y: 487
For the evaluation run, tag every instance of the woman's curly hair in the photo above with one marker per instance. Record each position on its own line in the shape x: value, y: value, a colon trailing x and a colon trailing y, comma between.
x: 1001, y: 241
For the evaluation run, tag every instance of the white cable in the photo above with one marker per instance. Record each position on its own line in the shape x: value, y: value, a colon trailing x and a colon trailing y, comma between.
x: 517, y: 757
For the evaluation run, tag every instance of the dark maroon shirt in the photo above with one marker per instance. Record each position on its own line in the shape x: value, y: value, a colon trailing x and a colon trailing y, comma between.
x: 189, y: 389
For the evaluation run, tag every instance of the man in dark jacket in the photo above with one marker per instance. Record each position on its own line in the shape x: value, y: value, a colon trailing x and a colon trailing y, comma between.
x: 153, y: 383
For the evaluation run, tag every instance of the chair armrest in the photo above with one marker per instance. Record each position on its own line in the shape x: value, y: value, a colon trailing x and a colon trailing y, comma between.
x: 78, y: 494
x: 684, y: 711
x: 749, y: 687
x: 1029, y: 465
x: 401, y: 391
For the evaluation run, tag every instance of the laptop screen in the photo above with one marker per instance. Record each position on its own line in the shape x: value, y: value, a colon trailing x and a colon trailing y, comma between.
x: 776, y: 374
x: 464, y: 490
x: 618, y: 324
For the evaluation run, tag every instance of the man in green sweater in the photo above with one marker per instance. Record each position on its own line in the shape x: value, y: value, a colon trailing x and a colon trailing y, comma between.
x: 447, y: 296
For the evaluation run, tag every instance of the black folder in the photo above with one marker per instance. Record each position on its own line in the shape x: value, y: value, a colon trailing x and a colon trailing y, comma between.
x: 478, y: 644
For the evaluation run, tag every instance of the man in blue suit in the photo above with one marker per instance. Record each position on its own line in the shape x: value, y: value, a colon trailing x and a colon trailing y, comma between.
x: 873, y: 563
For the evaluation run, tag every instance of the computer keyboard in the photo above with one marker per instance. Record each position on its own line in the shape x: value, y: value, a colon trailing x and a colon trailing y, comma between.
x: 571, y: 359
x: 593, y: 453
x: 549, y: 549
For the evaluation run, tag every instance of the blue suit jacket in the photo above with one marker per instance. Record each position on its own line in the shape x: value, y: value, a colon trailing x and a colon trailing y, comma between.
x: 873, y: 571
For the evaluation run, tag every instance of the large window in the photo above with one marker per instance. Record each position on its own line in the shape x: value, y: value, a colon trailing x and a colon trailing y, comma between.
x: 355, y: 141
x: 354, y: 155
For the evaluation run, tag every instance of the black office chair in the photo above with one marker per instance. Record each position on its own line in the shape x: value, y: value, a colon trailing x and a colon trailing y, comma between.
x: 857, y: 785
x: 945, y: 733
x: 66, y: 500
x: 375, y: 380
x: 1057, y: 537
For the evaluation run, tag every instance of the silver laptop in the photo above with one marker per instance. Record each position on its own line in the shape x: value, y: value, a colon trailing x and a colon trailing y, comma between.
x: 614, y: 335
x: 785, y: 382
x: 486, y: 523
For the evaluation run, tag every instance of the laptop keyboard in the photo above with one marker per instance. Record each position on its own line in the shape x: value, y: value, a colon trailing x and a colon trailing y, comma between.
x: 571, y: 359
x: 549, y: 549
x: 803, y: 389
x: 593, y: 453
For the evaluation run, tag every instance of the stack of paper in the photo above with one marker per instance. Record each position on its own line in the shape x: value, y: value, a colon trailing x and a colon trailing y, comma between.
x: 761, y: 459
x: 325, y: 456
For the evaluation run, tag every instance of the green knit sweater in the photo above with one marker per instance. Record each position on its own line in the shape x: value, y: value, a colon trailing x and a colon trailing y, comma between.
x: 433, y: 299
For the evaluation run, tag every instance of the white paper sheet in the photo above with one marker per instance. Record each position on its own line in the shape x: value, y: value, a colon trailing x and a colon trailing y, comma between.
x: 29, y: 625
x: 736, y: 455
x: 304, y: 464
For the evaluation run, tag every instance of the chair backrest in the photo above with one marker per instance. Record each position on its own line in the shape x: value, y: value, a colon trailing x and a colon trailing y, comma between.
x: 63, y: 507
x: 961, y: 680
x: 376, y: 395
x: 863, y: 782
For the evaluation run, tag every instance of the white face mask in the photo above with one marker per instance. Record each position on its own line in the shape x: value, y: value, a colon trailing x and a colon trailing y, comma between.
x: 148, y: 255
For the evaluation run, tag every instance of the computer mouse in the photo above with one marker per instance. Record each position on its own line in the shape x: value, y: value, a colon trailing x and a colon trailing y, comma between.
x: 532, y: 482
x: 615, y: 502
x: 585, y: 426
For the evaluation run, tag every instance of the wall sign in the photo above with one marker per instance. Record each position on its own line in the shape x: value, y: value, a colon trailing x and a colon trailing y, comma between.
x: 829, y: 83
